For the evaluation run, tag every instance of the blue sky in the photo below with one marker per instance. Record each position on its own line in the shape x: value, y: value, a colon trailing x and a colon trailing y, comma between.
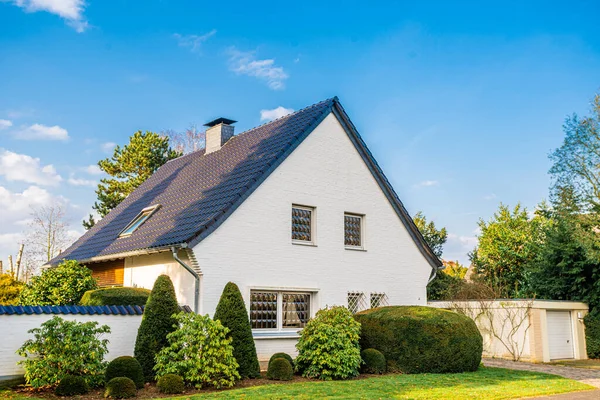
x: 460, y: 103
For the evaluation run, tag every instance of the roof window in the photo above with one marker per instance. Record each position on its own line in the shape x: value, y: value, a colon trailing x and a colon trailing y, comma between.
x: 139, y: 220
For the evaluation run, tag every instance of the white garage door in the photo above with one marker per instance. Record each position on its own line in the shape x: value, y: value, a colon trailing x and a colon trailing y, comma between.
x: 560, y: 334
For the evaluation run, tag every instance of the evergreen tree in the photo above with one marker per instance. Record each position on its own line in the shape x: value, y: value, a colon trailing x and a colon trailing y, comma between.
x: 231, y: 311
x: 157, y: 323
x: 434, y: 237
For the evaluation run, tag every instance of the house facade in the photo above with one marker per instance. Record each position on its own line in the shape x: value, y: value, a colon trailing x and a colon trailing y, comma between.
x: 296, y: 212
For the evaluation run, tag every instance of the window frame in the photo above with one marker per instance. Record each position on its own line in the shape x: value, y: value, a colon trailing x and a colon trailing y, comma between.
x: 359, y: 302
x: 146, y: 213
x: 280, y: 329
x: 362, y: 246
x: 313, y: 225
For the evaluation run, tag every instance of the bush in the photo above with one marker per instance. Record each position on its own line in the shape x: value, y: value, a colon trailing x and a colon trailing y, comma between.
x: 60, y: 348
x: 280, y: 369
x: 592, y: 334
x: 444, y: 287
x: 232, y: 313
x: 200, y: 352
x: 62, y: 285
x: 282, y: 355
x: 328, y: 346
x: 120, y: 388
x: 373, y: 362
x: 157, y: 323
x: 72, y: 385
x: 10, y: 288
x: 170, y: 384
x: 115, y: 296
x: 422, y: 339
x: 128, y: 367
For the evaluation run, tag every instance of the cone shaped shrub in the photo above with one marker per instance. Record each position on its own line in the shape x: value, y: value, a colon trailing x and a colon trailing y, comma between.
x: 157, y: 323
x: 232, y: 313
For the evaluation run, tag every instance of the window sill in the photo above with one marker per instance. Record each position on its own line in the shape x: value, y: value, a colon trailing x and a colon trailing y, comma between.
x: 355, y: 248
x: 258, y: 335
x: 309, y: 244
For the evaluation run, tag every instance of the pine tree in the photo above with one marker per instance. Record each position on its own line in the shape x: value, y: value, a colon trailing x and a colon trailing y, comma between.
x: 231, y: 311
x: 157, y: 323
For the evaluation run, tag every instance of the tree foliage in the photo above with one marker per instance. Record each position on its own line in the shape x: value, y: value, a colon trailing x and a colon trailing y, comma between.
x: 10, y: 289
x: 434, y: 237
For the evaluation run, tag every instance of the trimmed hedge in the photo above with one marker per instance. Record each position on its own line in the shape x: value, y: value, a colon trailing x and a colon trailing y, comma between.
x: 592, y: 334
x: 115, y: 296
x: 374, y: 362
x: 170, y: 384
x: 282, y: 355
x: 280, y: 369
x: 417, y: 339
x: 120, y: 388
x: 72, y: 385
x: 128, y: 367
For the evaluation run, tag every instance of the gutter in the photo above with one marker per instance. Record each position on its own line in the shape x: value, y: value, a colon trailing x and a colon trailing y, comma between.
x: 191, y: 271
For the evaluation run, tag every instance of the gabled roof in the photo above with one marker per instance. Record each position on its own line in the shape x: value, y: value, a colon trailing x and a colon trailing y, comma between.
x: 197, y: 192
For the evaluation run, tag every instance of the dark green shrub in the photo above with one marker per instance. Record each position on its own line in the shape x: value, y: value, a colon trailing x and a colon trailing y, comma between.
x: 170, y: 384
x: 72, y: 385
x: 128, y: 367
x: 373, y: 362
x: 280, y: 369
x: 157, y: 323
x: 282, y: 355
x: 328, y: 345
x: 115, y: 296
x: 120, y: 388
x: 592, y: 334
x: 232, y: 313
x: 422, y: 339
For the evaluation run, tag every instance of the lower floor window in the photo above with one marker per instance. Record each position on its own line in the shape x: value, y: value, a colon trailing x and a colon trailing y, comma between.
x: 379, y: 300
x: 356, y: 302
x: 279, y: 310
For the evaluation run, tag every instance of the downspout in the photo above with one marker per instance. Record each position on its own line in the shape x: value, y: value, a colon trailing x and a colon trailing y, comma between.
x: 191, y: 271
x: 432, y: 275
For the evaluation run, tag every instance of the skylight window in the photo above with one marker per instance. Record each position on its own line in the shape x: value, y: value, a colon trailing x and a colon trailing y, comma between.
x: 139, y: 220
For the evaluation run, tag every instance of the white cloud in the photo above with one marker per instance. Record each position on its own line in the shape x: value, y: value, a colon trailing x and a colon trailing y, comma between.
x: 427, y: 183
x: 108, y: 147
x: 269, y: 115
x: 4, y: 123
x: 21, y: 167
x: 93, y: 170
x: 42, y: 132
x: 81, y: 182
x: 193, y: 42
x: 69, y: 10
x: 245, y: 63
x: 490, y: 196
x: 467, y: 242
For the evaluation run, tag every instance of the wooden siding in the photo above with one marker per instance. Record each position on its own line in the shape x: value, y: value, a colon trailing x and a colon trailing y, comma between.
x: 109, y: 273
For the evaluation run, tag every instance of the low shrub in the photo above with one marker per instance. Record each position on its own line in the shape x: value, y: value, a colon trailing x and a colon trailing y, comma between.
x: 170, y: 384
x: 72, y: 385
x: 422, y: 339
x: 128, y: 367
x: 282, y: 355
x: 280, y: 369
x: 120, y: 388
x: 592, y: 334
x: 115, y: 296
x: 200, y: 352
x: 328, y: 346
x: 373, y: 362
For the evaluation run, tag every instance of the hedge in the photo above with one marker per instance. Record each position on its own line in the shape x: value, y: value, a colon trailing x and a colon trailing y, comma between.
x: 115, y: 296
x: 592, y: 334
x: 417, y: 339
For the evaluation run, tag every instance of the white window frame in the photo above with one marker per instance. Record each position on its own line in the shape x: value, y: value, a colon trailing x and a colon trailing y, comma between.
x: 383, y: 299
x: 362, y: 231
x: 280, y: 330
x: 313, y: 225
x: 146, y: 213
x: 360, y: 302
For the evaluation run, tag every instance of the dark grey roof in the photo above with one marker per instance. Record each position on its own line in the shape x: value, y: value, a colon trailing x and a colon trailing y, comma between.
x: 198, y: 191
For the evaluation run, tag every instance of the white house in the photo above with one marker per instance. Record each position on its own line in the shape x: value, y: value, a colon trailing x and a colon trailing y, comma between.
x: 296, y: 212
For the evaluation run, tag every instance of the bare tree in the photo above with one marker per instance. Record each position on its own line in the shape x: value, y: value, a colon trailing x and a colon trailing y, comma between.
x: 186, y: 142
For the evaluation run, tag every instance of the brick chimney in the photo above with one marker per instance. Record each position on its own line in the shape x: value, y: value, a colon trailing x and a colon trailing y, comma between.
x: 219, y: 131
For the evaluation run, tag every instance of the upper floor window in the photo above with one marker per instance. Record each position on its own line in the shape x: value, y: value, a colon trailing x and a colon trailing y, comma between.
x: 277, y: 310
x: 353, y: 231
x: 303, y: 219
x: 139, y: 220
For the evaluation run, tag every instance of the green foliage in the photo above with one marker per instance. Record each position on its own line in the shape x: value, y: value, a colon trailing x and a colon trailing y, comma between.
x: 434, y: 237
x: 120, y: 388
x: 10, y: 288
x: 444, y: 286
x: 592, y: 334
x: 62, y: 285
x: 157, y: 323
x: 128, y: 168
x: 373, y: 362
x: 116, y: 296
x: 72, y: 385
x: 328, y: 345
x: 200, y: 351
x: 280, y: 369
x: 422, y: 339
x: 282, y: 355
x: 128, y: 367
x: 231, y: 311
x: 455, y: 269
x: 170, y: 384
x: 60, y: 348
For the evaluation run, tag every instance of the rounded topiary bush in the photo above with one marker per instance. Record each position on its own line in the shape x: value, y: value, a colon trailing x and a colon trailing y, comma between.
x: 120, y: 388
x: 72, y: 385
x: 422, y: 339
x: 128, y: 367
x: 373, y: 361
x: 282, y: 355
x: 170, y: 384
x: 280, y: 369
x: 115, y: 296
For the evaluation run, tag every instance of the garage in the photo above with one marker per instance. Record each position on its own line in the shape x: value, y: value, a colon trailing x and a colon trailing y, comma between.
x: 560, y: 334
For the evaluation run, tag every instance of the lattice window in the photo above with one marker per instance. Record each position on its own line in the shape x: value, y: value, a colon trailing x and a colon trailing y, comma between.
x: 379, y: 300
x: 356, y: 302
x: 302, y: 221
x: 263, y: 310
x: 353, y: 230
x: 296, y: 309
